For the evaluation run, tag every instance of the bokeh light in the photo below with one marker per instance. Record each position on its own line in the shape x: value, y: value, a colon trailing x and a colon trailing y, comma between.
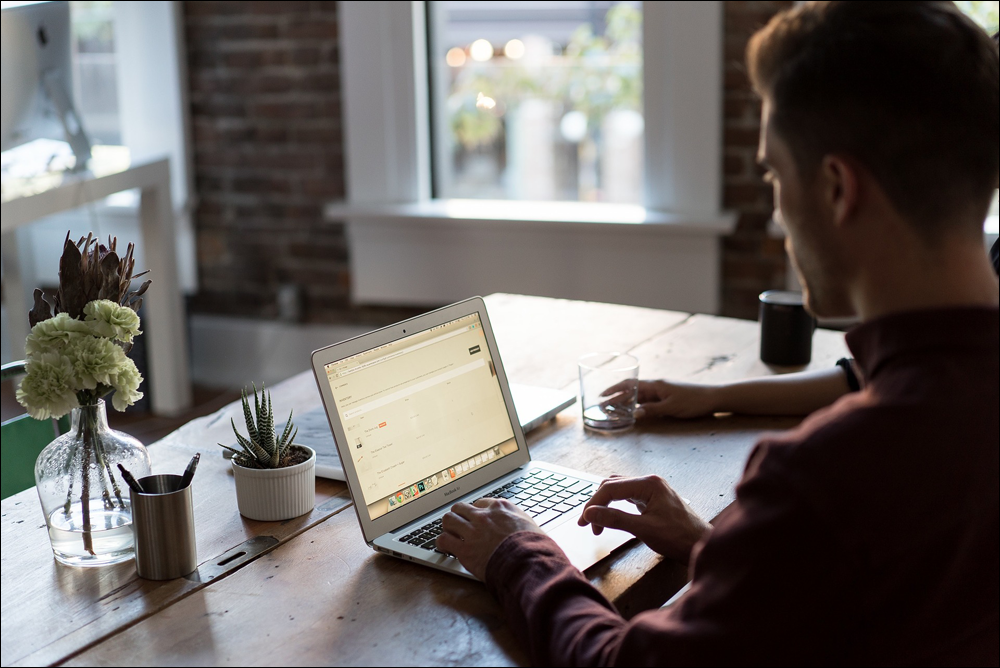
x: 455, y: 57
x: 514, y: 49
x: 484, y: 102
x: 481, y: 50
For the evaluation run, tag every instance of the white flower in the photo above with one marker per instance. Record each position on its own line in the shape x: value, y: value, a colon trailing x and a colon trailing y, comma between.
x: 47, y: 390
x: 112, y: 320
x: 94, y: 360
x: 54, y: 334
x: 126, y: 383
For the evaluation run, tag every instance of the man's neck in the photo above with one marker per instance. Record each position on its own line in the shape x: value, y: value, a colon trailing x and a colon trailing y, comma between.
x: 914, y: 276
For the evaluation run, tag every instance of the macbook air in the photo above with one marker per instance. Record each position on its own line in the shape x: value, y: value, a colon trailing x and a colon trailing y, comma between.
x: 423, y: 417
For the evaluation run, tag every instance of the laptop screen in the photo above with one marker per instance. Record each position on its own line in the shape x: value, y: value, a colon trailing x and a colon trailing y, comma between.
x: 421, y: 411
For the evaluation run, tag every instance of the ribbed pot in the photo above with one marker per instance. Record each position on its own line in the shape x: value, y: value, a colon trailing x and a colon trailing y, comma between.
x: 276, y: 494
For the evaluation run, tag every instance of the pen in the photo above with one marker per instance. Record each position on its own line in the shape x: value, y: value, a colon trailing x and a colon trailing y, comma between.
x: 189, y: 471
x: 130, y: 480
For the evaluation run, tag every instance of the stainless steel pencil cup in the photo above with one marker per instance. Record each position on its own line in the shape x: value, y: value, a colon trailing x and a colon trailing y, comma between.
x: 163, y: 523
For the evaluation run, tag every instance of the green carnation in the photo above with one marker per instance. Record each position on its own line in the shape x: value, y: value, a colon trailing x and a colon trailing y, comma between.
x: 112, y: 320
x: 94, y: 360
x: 126, y: 384
x: 47, y: 390
x: 54, y: 334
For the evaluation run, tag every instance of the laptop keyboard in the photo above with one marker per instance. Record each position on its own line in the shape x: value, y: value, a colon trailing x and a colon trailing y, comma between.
x: 543, y: 495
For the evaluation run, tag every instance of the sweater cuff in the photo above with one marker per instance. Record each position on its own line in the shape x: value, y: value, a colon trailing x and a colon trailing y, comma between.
x: 517, y: 553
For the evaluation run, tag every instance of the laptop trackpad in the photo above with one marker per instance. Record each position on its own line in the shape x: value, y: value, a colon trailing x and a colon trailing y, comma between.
x: 583, y: 548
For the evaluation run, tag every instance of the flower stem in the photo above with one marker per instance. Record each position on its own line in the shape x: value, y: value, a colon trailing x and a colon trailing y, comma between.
x: 68, y: 506
x: 85, y: 423
x: 105, y: 467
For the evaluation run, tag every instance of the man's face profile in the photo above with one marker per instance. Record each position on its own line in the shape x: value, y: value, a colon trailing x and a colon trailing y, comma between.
x: 799, y: 209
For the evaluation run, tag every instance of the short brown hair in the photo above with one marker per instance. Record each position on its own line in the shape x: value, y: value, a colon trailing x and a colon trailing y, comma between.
x: 909, y: 89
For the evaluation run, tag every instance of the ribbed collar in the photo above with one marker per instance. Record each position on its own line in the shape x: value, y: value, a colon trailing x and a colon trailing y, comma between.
x: 875, y: 342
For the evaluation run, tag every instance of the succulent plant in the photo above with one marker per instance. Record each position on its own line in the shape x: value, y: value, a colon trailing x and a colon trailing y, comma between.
x: 260, y: 448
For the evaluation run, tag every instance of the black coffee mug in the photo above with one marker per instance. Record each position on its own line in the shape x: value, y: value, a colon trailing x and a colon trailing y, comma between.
x: 786, y: 329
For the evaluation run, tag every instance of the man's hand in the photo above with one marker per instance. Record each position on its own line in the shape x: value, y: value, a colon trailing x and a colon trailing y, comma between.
x: 473, y: 533
x: 658, y: 398
x: 665, y: 523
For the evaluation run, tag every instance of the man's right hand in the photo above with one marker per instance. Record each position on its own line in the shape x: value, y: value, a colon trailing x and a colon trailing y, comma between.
x: 665, y: 522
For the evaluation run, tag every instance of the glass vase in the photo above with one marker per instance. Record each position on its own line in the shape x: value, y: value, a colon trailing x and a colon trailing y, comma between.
x: 85, y: 501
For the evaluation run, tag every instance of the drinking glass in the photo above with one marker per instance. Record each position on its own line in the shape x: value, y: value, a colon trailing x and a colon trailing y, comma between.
x: 609, y: 388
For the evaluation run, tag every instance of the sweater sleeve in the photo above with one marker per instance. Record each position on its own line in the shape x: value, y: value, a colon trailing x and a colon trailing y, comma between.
x: 756, y: 580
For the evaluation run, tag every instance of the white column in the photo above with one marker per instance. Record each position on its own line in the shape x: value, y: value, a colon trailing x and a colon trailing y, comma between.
x: 384, y: 66
x: 682, y: 89
x: 166, y: 322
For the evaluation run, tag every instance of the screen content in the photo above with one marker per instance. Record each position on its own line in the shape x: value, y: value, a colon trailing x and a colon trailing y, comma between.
x: 420, y: 412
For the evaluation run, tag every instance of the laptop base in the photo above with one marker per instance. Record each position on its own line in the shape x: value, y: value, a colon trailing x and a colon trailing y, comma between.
x: 581, y: 546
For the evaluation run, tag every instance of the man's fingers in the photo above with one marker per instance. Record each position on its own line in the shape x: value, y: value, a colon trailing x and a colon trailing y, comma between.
x: 449, y: 542
x: 652, y: 409
x: 620, y: 489
x: 464, y: 510
x: 617, y: 388
x: 456, y: 524
x: 617, y: 398
x: 611, y: 518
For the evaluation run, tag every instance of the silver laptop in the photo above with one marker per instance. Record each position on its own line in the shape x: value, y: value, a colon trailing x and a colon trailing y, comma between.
x: 423, y: 417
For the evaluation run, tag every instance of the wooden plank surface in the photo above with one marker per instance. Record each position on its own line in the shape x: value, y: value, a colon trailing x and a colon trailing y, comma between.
x: 540, y: 339
x: 51, y: 611
x: 323, y: 598
x: 333, y: 600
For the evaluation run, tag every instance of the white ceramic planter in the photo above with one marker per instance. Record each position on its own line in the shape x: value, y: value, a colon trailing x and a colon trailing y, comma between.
x: 276, y: 494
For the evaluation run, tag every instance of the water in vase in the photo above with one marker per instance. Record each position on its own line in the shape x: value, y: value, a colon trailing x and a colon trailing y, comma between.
x: 111, y: 538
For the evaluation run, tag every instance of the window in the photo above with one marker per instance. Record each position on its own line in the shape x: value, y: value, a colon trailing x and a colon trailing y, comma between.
x: 986, y: 14
x: 384, y: 69
x: 537, y: 100
x: 95, y: 75
x: 131, y: 48
x: 409, y: 248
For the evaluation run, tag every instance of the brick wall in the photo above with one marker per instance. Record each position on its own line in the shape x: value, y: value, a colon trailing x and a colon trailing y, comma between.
x: 751, y: 260
x: 265, y: 109
x: 265, y: 104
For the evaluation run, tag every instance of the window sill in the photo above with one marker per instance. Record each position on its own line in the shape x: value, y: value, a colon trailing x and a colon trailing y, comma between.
x: 440, y: 251
x: 568, y: 216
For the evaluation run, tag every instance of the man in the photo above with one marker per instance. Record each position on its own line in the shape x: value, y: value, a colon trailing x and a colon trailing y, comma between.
x: 869, y: 534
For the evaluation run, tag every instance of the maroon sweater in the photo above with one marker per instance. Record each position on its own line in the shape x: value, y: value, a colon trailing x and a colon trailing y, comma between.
x: 867, y: 535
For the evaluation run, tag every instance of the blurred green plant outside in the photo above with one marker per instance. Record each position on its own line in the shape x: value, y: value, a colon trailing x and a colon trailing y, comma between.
x: 595, y: 74
x: 986, y: 14
x: 93, y: 25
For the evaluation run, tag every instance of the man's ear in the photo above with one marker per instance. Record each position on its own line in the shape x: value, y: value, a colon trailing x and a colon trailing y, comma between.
x: 839, y: 188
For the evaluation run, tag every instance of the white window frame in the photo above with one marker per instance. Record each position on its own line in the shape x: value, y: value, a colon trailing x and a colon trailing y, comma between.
x: 409, y: 249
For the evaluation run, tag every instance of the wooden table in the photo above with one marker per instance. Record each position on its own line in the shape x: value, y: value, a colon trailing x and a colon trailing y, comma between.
x: 309, y: 591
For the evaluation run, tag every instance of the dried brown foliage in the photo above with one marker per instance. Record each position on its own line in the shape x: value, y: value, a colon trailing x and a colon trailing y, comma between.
x: 88, y: 270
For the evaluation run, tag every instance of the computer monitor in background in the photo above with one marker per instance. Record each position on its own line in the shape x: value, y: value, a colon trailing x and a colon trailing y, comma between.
x: 35, y: 98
